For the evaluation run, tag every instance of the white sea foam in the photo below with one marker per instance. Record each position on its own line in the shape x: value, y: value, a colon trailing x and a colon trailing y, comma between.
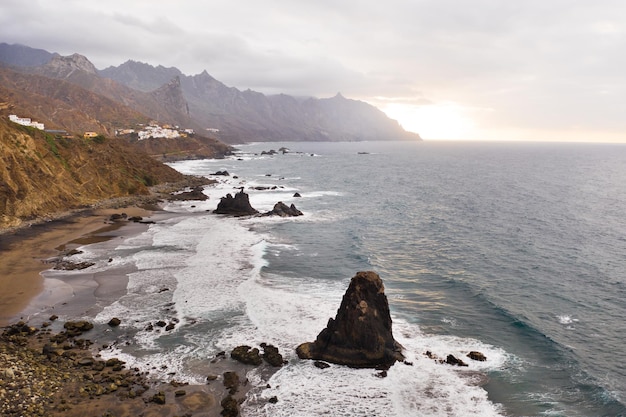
x: 206, y: 272
x: 566, y: 319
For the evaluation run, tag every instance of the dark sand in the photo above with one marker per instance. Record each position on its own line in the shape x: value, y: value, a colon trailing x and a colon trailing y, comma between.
x: 23, y: 256
x: 26, y: 295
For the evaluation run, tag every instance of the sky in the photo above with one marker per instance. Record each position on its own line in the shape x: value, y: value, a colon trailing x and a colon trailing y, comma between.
x: 447, y: 69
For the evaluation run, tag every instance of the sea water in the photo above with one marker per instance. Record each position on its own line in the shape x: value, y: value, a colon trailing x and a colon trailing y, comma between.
x: 514, y: 250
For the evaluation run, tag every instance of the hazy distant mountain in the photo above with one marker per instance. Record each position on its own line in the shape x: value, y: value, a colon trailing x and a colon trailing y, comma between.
x: 140, y: 76
x: 205, y: 104
x: 166, y: 104
x: 252, y: 116
x: 60, y: 104
x: 23, y: 56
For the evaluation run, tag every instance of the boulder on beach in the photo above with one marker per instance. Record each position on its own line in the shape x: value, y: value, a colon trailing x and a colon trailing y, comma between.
x: 360, y: 336
x: 194, y: 194
x: 239, y: 205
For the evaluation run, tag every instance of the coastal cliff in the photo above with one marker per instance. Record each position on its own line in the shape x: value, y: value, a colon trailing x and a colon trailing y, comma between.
x: 42, y: 174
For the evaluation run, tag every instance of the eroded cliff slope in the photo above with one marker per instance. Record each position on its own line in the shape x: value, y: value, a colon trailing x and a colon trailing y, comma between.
x: 41, y: 174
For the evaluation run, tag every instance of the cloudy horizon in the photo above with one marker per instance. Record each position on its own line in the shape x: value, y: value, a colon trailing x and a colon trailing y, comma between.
x: 482, y: 70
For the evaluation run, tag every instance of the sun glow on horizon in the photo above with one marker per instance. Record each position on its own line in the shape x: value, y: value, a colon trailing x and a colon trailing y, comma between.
x: 433, y: 121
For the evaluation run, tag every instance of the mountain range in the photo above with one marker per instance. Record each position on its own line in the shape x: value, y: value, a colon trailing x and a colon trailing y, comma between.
x: 77, y: 96
x: 43, y: 173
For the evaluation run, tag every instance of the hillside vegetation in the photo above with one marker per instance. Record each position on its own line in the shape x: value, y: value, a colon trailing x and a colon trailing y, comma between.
x: 41, y: 174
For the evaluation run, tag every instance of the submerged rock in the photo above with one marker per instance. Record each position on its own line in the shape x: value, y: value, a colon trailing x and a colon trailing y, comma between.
x: 360, y: 336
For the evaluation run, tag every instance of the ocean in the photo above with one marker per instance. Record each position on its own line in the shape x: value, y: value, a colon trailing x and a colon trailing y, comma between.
x: 515, y: 250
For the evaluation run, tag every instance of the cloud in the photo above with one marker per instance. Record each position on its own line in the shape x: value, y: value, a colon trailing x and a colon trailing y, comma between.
x: 535, y: 64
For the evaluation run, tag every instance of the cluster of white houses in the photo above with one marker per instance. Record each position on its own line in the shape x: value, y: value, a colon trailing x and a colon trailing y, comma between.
x: 25, y: 121
x: 153, y: 130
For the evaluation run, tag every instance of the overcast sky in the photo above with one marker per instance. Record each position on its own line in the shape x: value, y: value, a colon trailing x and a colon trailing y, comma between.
x: 448, y: 69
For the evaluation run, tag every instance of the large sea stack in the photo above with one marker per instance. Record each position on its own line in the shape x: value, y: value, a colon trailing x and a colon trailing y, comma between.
x: 360, y: 336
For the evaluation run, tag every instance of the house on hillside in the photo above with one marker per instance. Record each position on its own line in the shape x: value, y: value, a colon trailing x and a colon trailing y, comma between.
x: 26, y: 121
x: 90, y: 135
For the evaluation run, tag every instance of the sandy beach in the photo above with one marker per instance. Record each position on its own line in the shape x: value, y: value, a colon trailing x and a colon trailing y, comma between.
x: 24, y: 252
x: 61, y: 382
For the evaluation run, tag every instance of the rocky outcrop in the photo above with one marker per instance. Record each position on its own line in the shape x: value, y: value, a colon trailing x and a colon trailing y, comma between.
x: 360, y: 336
x: 283, y: 210
x: 193, y: 194
x: 239, y: 205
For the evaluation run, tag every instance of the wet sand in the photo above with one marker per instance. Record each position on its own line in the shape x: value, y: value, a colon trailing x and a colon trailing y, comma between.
x: 23, y: 256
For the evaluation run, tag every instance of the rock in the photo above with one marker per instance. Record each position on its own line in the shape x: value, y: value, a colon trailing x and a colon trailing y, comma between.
x: 452, y: 360
x: 282, y: 210
x: 64, y: 265
x: 221, y: 173
x: 246, y: 355
x: 195, y: 194
x: 273, y: 400
x: 321, y: 365
x: 477, y: 356
x: 135, y: 219
x: 271, y: 355
x: 360, y: 336
x: 114, y: 322
x: 180, y: 393
x: 158, y: 398
x: 235, y: 206
x: 117, y: 216
x: 114, y: 363
x: 76, y: 328
x: 231, y: 381
x: 230, y: 407
x: 85, y: 361
x: 161, y: 323
x: 297, y: 195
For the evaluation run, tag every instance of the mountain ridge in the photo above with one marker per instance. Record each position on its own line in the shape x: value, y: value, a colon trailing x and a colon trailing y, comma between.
x: 204, y: 103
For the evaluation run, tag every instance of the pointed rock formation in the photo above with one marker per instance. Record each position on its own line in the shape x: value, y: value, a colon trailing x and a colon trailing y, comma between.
x: 360, y: 336
x: 239, y: 205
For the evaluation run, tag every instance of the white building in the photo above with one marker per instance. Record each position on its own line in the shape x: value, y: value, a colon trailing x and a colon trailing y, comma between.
x: 26, y: 121
x: 158, y: 132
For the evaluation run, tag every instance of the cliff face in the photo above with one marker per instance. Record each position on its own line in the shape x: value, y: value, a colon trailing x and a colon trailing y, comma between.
x: 41, y: 174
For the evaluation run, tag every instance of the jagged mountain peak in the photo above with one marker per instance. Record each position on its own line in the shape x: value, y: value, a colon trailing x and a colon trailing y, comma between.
x: 140, y: 75
x: 64, y: 66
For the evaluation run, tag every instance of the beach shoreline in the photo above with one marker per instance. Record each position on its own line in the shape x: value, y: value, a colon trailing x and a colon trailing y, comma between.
x: 25, y: 249
x: 32, y: 297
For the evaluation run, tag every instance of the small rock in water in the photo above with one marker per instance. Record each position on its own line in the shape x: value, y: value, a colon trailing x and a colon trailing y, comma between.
x: 114, y: 322
x: 477, y: 356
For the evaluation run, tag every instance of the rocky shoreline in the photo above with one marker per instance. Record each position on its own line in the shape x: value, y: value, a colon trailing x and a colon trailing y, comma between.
x: 150, y: 201
x: 43, y: 373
